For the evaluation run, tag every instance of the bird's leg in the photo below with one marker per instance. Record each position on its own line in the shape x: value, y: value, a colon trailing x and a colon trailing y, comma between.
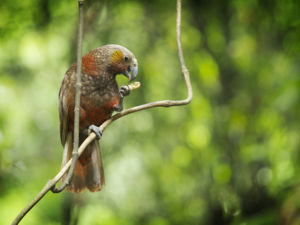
x: 96, y: 130
x: 124, y: 91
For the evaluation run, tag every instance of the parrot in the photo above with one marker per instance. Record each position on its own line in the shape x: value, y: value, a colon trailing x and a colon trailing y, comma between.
x: 100, y: 97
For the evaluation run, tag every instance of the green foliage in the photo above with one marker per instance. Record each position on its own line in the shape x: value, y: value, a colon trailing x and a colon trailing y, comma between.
x: 230, y: 157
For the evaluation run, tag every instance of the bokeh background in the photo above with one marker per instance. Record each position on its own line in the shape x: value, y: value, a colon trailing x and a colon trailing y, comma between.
x: 230, y: 157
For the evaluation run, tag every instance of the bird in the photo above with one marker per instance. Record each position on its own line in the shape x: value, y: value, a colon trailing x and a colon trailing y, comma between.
x: 100, y: 97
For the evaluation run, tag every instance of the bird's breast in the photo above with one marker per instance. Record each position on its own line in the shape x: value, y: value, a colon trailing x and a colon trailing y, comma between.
x: 96, y: 112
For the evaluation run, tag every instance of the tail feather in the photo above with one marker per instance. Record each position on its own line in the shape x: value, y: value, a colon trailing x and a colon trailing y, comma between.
x: 89, y: 170
x: 94, y: 176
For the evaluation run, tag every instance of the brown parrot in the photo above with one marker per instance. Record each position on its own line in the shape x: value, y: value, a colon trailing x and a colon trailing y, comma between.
x: 100, y: 96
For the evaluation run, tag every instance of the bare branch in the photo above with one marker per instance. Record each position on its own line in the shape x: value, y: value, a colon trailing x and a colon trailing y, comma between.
x: 77, y: 102
x: 164, y: 103
x: 51, y: 184
x: 92, y: 136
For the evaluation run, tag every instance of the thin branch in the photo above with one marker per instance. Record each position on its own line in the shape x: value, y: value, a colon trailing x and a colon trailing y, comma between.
x: 76, y: 127
x: 77, y: 101
x: 92, y: 136
x: 164, y: 103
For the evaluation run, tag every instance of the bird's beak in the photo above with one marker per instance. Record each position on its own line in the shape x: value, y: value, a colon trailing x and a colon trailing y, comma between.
x: 132, y: 71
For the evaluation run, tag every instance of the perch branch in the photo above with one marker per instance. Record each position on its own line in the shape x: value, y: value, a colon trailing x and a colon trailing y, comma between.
x: 92, y: 136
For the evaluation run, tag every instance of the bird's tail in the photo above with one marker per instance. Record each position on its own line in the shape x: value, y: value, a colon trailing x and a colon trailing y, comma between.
x: 89, y: 170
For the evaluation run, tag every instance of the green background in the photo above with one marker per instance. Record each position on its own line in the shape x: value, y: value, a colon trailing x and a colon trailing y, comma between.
x: 230, y: 157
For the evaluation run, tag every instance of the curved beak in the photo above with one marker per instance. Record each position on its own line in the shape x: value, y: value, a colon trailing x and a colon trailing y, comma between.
x: 132, y: 71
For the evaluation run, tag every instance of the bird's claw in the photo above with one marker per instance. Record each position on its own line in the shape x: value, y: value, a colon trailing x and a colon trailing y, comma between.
x: 96, y: 130
x: 124, y: 91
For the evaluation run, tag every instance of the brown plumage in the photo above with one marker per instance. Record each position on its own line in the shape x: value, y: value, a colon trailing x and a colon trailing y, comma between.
x: 100, y: 96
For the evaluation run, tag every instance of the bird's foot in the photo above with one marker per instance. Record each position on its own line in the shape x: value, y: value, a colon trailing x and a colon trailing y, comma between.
x: 96, y: 130
x: 124, y: 91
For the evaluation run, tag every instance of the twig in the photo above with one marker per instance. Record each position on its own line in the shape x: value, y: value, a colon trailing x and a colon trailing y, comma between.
x: 77, y: 102
x: 164, y: 103
x: 92, y: 136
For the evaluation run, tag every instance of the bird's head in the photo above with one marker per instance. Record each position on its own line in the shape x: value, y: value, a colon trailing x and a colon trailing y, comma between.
x: 122, y: 61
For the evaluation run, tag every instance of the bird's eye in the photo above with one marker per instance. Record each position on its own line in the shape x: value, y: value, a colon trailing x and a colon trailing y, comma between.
x: 126, y: 58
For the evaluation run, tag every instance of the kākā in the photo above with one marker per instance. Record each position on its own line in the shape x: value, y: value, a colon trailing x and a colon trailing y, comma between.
x: 100, y: 96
